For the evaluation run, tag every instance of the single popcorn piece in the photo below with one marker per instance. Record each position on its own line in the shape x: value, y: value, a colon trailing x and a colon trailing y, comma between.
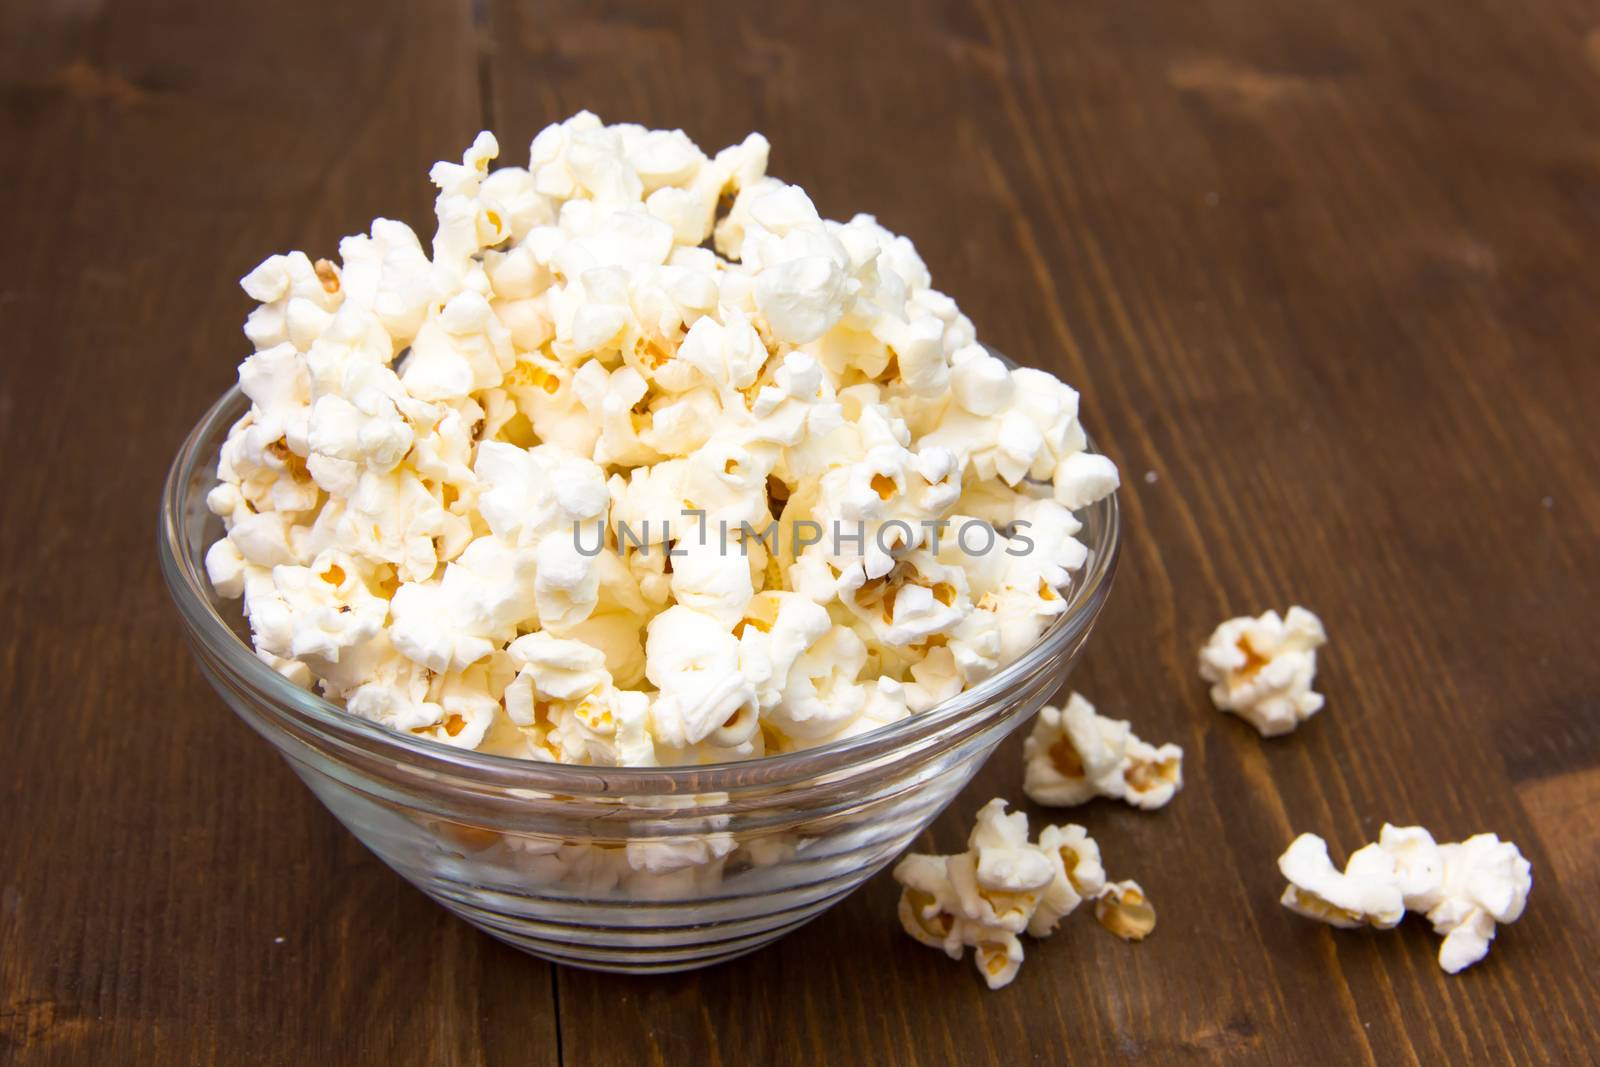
x: 1465, y: 890
x: 1078, y: 875
x: 1074, y: 754
x: 1366, y: 893
x: 1123, y: 909
x: 1261, y: 669
x: 1003, y: 885
x: 640, y: 461
x: 1485, y: 882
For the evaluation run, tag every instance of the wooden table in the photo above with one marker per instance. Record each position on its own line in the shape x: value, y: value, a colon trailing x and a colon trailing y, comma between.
x: 1325, y: 273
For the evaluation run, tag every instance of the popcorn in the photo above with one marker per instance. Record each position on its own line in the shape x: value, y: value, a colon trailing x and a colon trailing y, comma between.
x: 1262, y: 669
x: 1485, y: 881
x: 1464, y: 889
x: 328, y: 607
x: 470, y: 700
x: 395, y: 695
x: 1082, y: 478
x: 777, y: 628
x: 1366, y: 893
x: 1005, y: 885
x: 227, y: 569
x: 1122, y: 908
x: 564, y: 702
x: 1074, y: 754
x: 462, y: 349
x: 639, y: 461
x: 979, y: 382
x: 1077, y: 875
x: 456, y: 709
x: 297, y: 299
x: 395, y: 518
x: 693, y: 661
x: 822, y: 694
x: 362, y: 427
x: 553, y: 669
x: 461, y: 618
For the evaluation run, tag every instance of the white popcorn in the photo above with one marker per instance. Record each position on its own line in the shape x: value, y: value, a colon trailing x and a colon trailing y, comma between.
x: 456, y: 621
x: 1000, y: 880
x: 1077, y: 875
x: 545, y: 500
x: 1074, y: 754
x: 1005, y: 885
x: 1082, y: 478
x: 316, y: 613
x: 542, y: 486
x: 776, y: 629
x: 297, y: 300
x: 1485, y: 881
x: 462, y: 349
x: 979, y: 382
x: 568, y: 709
x: 531, y: 495
x: 822, y: 694
x: 554, y: 670
x: 362, y: 426
x: 395, y: 518
x: 1262, y: 669
x: 395, y: 694
x: 1464, y: 889
x: 470, y: 699
x: 694, y: 662
x: 455, y: 709
x: 728, y: 355
x: 227, y: 569
x: 1366, y: 893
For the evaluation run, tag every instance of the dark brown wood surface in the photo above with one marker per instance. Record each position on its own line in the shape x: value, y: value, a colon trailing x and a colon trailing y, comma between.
x: 1325, y: 272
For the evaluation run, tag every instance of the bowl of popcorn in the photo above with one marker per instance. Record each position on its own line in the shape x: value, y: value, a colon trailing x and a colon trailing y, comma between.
x: 640, y: 567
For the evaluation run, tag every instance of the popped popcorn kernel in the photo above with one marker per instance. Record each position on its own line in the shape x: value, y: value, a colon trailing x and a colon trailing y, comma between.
x: 1466, y: 890
x: 1005, y: 885
x: 1262, y: 669
x: 1074, y: 754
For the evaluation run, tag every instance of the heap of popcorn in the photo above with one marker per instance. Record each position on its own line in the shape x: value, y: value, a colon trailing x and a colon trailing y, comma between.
x: 646, y: 464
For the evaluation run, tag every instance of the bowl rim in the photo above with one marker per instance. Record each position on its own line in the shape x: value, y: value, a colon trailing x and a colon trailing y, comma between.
x: 183, y: 569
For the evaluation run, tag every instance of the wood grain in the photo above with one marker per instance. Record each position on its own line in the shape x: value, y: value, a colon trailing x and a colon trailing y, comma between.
x: 1322, y: 270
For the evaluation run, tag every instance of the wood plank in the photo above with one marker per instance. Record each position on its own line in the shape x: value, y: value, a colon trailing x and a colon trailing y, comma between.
x: 170, y: 892
x: 1320, y: 270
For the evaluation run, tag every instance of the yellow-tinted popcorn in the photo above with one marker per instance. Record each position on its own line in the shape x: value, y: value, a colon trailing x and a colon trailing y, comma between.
x: 1074, y: 754
x: 1005, y: 885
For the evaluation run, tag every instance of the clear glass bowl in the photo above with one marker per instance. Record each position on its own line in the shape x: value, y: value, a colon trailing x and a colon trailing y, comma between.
x: 621, y: 869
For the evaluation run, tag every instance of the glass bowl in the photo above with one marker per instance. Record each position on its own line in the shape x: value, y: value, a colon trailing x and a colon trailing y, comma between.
x: 618, y: 869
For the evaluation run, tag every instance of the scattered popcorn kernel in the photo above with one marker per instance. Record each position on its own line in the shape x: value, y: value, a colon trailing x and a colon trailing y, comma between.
x: 1365, y: 893
x: 1004, y: 885
x: 1465, y: 890
x: 1122, y: 908
x: 1074, y: 754
x: 1262, y: 669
